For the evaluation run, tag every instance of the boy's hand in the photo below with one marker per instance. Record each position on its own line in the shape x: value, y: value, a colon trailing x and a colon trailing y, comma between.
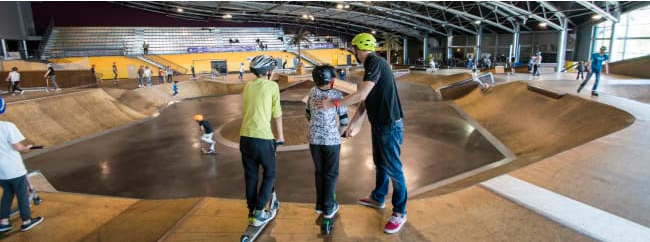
x: 279, y: 142
x: 324, y: 103
x: 347, y: 133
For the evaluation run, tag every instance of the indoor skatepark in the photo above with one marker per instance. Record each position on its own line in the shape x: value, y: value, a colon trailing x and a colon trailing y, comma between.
x: 123, y: 163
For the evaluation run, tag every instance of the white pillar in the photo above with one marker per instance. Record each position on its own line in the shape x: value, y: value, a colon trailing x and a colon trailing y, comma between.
x: 425, y: 47
x: 450, y: 42
x: 4, y: 48
x: 515, y: 42
x: 25, y: 49
x: 477, y: 51
x: 561, y: 47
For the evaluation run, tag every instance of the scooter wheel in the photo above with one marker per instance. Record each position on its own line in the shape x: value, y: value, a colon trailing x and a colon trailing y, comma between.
x: 244, y: 238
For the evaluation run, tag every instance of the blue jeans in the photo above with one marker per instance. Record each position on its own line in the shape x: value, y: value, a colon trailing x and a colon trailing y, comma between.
x: 15, y: 187
x: 148, y: 81
x: 386, y: 141
x: 597, y: 73
x: 140, y: 81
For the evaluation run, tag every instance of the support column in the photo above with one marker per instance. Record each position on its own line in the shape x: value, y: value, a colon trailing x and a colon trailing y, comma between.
x: 450, y: 42
x: 477, y: 49
x: 406, y: 49
x: 611, y: 40
x: 425, y: 47
x: 4, y: 48
x: 561, y: 47
x: 515, y: 41
x: 25, y: 49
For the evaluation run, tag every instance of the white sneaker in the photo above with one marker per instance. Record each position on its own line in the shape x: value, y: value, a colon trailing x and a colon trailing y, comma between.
x: 22, y: 92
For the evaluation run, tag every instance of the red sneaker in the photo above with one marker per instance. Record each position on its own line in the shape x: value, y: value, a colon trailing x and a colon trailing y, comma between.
x: 367, y: 201
x: 395, y: 223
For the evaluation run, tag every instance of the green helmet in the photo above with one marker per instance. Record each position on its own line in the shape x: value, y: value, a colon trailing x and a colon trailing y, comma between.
x: 364, y: 41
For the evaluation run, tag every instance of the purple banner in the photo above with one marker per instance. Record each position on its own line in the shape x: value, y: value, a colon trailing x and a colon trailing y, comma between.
x: 220, y: 49
x: 321, y: 46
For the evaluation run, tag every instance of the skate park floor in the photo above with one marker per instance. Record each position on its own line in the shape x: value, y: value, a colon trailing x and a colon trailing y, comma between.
x: 601, y: 164
x: 160, y: 158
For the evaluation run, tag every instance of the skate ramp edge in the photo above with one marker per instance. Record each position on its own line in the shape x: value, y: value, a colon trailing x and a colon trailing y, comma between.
x: 536, y: 123
x: 89, y: 113
x: 39, y: 182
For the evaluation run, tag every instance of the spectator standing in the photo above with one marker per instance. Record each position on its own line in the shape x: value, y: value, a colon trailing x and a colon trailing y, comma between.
x: 13, y: 175
x: 14, y: 79
x: 50, y: 75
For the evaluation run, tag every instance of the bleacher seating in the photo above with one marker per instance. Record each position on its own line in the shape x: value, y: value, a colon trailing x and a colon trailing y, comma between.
x: 249, y: 36
x: 111, y: 41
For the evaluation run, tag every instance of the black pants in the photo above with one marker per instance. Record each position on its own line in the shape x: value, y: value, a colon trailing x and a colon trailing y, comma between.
x: 535, y: 70
x: 15, y: 187
x: 256, y: 152
x: 169, y: 78
x: 15, y: 87
x: 326, y: 162
x: 581, y: 74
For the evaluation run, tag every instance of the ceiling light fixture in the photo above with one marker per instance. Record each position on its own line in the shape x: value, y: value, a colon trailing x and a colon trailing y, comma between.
x: 347, y: 6
x: 304, y: 16
x: 227, y: 16
x: 339, y: 6
x: 597, y: 16
x: 542, y: 24
x: 374, y: 32
x: 180, y: 10
x: 477, y: 22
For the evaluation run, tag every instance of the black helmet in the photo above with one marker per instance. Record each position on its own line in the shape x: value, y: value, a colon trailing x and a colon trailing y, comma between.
x: 323, y: 74
x: 261, y: 64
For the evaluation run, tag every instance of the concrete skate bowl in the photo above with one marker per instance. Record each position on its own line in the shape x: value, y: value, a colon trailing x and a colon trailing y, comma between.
x: 535, y: 126
x: 59, y: 119
x: 158, y: 157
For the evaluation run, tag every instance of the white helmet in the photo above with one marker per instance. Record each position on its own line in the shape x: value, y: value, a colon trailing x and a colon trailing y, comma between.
x: 261, y: 64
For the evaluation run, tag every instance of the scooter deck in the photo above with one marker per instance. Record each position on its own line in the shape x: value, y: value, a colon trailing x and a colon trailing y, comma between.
x: 253, y: 232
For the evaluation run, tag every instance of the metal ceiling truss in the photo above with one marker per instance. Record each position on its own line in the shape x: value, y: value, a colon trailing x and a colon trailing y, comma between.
x: 594, y: 8
x: 408, y: 18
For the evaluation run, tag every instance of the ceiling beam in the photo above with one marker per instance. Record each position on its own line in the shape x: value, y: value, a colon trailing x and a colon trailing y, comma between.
x: 435, y: 20
x: 598, y: 10
x: 527, y: 13
x: 465, y: 15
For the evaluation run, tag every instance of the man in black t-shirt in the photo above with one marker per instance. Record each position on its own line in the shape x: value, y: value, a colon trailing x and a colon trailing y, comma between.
x: 380, y: 100
x: 50, y: 76
x: 206, y: 133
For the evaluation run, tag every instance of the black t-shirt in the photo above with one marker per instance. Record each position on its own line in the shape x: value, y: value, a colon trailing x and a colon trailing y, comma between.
x: 206, y: 126
x: 382, y: 103
x: 51, y: 71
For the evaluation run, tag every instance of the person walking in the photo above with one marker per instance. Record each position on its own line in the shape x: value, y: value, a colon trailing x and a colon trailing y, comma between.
x: 380, y: 100
x: 50, y: 76
x: 14, y: 78
x: 140, y: 76
x: 170, y: 74
x: 147, y: 76
x: 581, y: 71
x: 115, y: 70
x: 13, y: 175
x: 594, y: 66
x: 241, y: 72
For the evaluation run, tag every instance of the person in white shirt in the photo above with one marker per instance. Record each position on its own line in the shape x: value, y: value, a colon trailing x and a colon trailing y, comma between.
x: 14, y: 79
x: 241, y: 72
x: 147, y: 75
x: 13, y: 175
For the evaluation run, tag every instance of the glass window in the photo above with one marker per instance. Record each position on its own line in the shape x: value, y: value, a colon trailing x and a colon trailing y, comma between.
x: 631, y: 35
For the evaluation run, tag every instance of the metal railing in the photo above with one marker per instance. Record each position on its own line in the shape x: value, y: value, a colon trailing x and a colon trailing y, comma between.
x: 165, y: 62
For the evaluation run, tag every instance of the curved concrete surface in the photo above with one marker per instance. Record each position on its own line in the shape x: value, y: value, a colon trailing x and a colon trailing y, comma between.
x: 159, y: 158
x: 607, y: 173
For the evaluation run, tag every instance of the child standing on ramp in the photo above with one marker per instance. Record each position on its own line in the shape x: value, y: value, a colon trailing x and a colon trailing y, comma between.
x: 325, y: 142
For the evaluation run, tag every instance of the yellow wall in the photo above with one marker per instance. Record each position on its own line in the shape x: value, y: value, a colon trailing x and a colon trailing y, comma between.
x: 325, y: 55
x: 23, y: 65
x: 104, y: 65
x: 234, y: 59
